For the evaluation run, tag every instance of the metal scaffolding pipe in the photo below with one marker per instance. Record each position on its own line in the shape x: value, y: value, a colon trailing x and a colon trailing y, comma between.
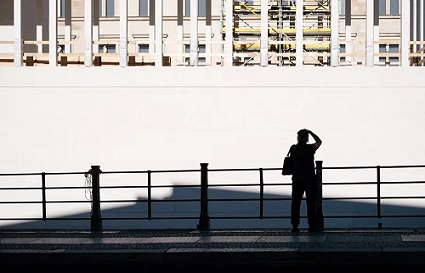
x: 39, y: 28
x: 299, y: 32
x: 264, y: 50
x: 348, y: 31
x: 193, y: 32
x: 208, y: 32
x: 68, y: 25
x: 334, y: 33
x: 405, y: 33
x: 158, y: 32
x: 180, y: 47
x: 53, y: 33
x: 17, y: 29
x: 370, y: 14
x: 421, y: 22
x: 123, y: 33
x: 88, y: 33
x: 228, y: 51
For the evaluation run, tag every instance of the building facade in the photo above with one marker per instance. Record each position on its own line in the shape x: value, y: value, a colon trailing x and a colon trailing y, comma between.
x: 194, y: 32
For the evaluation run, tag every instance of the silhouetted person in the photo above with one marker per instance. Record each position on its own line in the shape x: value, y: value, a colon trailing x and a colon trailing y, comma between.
x: 303, y: 177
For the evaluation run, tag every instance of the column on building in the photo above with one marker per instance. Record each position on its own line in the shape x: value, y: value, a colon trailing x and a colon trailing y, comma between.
x: 369, y: 33
x: 376, y: 29
x: 405, y: 33
x: 68, y: 25
x: 264, y: 41
x: 299, y: 32
x: 39, y: 27
x: 88, y: 33
x: 208, y: 32
x: 180, y: 45
x: 348, y: 32
x: 152, y: 25
x: 17, y: 27
x: 193, y: 32
x: 53, y: 33
x: 96, y: 24
x: 123, y: 33
x: 158, y: 32
x: 228, y: 50
x: 334, y: 33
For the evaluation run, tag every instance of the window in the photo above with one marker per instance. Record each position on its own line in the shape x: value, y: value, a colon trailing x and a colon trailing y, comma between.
x: 394, y: 7
x: 342, y: 12
x: 110, y: 8
x: 107, y: 49
x: 202, y: 8
x: 342, y: 50
x: 382, y: 7
x: 394, y: 49
x: 201, y: 49
x: 143, y: 8
x: 144, y: 49
x: 62, y: 8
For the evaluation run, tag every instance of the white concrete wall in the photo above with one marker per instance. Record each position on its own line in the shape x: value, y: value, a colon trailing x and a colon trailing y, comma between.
x: 67, y: 119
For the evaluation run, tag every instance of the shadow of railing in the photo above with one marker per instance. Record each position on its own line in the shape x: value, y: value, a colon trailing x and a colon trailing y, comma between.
x: 242, y: 212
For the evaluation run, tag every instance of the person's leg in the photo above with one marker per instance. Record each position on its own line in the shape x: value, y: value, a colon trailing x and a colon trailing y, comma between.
x: 297, y: 194
x: 311, y: 197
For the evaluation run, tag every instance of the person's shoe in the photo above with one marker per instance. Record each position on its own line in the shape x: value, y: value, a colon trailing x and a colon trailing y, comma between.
x: 312, y: 229
x: 295, y: 229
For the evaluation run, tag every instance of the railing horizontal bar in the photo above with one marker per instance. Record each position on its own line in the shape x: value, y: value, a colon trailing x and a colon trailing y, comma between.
x: 67, y: 173
x: 403, y: 197
x: 402, y: 166
x: 403, y: 182
x: 155, y: 171
x: 349, y: 198
x: 19, y: 174
x: 232, y: 200
x: 349, y: 168
x: 12, y: 189
x: 66, y: 188
x: 153, y: 218
x: 232, y: 170
x: 145, y: 201
x: 21, y: 202
x: 68, y: 201
x: 233, y: 185
x: 349, y: 183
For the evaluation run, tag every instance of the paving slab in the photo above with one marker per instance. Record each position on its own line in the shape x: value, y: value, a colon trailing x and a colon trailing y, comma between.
x: 229, y: 239
x: 413, y: 238
x: 343, y: 239
x: 293, y: 239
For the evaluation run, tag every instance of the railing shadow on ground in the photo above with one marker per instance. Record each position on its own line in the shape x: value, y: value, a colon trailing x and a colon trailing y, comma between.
x: 241, y: 213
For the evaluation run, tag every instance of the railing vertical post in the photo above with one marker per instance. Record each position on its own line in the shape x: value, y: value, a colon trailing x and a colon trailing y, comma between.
x: 149, y: 196
x: 378, y: 195
x: 261, y: 193
x: 204, y: 218
x: 319, y: 219
x: 43, y: 194
x: 96, y: 218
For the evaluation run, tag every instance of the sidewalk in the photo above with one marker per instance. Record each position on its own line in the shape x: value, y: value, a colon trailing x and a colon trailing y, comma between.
x: 265, y: 249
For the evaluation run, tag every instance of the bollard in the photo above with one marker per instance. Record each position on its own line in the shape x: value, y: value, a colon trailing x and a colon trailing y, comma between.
x: 204, y: 218
x: 318, y: 215
x: 96, y: 218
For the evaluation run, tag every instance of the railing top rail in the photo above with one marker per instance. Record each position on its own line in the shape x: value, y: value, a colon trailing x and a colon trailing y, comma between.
x: 213, y: 170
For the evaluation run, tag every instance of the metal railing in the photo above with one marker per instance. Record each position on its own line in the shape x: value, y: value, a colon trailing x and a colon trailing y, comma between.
x: 204, y: 218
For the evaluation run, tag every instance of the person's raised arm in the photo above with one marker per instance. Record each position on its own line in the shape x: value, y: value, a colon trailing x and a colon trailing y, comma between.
x: 318, y: 142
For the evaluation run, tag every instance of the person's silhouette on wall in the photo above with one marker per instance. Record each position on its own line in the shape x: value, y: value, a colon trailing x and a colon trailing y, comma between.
x: 303, y: 177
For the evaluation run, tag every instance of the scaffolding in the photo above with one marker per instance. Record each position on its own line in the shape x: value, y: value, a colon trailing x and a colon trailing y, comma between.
x: 281, y: 32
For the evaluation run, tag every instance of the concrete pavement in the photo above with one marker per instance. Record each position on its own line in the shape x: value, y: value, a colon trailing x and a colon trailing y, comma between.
x: 265, y: 250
